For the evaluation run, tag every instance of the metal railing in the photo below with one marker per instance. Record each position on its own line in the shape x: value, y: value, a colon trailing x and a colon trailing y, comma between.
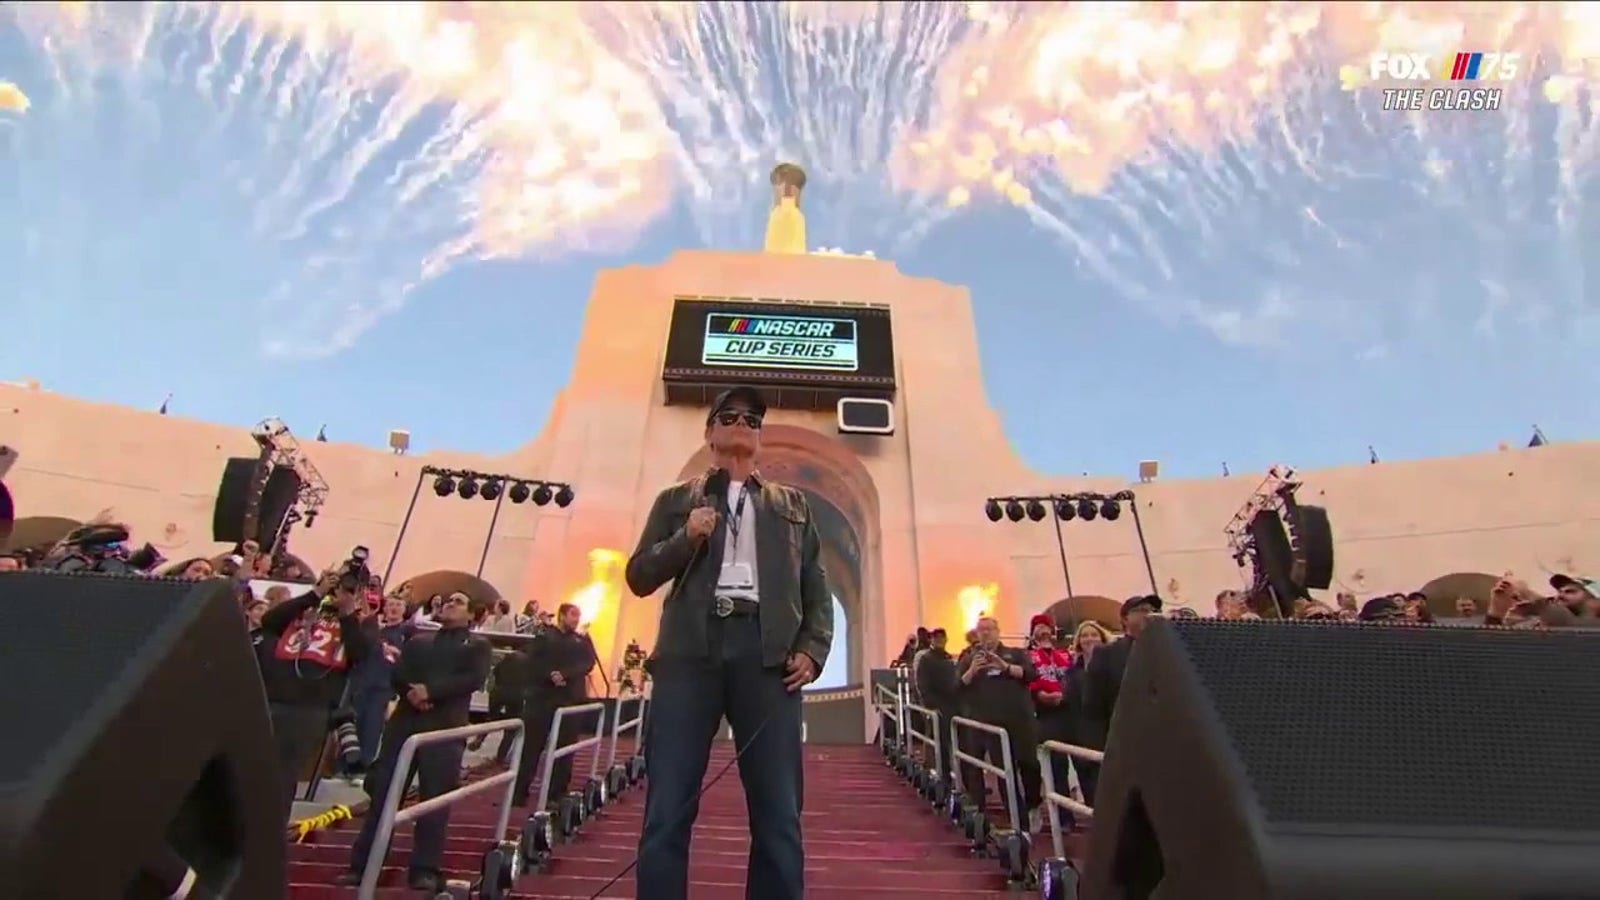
x: 888, y: 705
x: 556, y: 751
x: 1006, y: 771
x: 392, y: 816
x: 1056, y: 800
x: 619, y: 726
x: 931, y: 738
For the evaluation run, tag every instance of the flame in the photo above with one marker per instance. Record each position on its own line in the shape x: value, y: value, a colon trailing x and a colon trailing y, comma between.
x: 977, y: 601
x: 12, y: 99
x: 605, y: 584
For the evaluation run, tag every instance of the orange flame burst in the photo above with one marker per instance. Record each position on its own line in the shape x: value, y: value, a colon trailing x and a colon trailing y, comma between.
x: 604, y: 590
x: 977, y: 601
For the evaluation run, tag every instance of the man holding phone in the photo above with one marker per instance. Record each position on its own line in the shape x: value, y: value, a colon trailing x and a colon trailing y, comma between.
x: 994, y: 690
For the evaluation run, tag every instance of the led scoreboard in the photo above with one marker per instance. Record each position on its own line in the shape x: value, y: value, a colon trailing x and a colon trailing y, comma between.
x: 720, y: 342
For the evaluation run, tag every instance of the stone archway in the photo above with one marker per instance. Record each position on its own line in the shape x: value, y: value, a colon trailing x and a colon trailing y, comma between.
x: 8, y: 514
x: 1084, y: 607
x: 845, y: 502
x: 1443, y: 591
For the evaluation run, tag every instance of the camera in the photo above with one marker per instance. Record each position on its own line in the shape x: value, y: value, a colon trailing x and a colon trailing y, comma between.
x: 354, y: 574
x: 93, y: 548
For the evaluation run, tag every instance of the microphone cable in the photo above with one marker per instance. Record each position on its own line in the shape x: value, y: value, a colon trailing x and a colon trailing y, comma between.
x: 738, y: 752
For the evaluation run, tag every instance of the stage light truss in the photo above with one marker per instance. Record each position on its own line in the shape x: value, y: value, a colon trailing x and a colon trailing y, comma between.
x: 284, y: 450
x: 470, y: 483
x: 1275, y: 493
x: 1081, y: 505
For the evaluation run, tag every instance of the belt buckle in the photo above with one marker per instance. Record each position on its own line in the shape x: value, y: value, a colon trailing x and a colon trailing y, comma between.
x: 723, y: 607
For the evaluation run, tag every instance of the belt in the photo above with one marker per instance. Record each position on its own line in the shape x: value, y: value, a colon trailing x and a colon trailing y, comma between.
x: 730, y: 607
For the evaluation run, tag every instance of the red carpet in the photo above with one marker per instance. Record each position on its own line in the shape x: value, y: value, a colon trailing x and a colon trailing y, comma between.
x: 866, y: 834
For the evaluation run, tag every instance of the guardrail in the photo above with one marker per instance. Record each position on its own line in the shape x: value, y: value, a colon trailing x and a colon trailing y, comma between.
x: 931, y: 738
x: 619, y: 726
x: 556, y: 751
x: 392, y: 816
x: 1054, y: 799
x: 1006, y: 771
x: 888, y: 705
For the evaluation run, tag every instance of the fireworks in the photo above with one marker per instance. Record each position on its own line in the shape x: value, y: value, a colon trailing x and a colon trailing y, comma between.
x: 445, y: 132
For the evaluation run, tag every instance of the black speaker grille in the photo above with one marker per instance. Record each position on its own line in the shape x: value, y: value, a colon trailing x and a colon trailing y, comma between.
x: 49, y: 684
x: 1397, y: 734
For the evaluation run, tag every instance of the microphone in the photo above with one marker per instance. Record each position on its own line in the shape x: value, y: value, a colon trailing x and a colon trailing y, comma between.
x: 716, y: 489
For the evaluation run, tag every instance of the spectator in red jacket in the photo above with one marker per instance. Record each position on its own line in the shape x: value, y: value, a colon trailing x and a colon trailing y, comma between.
x: 1049, y: 693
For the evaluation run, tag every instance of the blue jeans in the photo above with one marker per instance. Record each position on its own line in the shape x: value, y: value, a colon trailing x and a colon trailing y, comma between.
x: 690, y: 700
x: 371, y: 707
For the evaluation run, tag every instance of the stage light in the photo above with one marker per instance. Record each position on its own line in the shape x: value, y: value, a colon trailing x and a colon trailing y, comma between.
x: 444, y: 485
x: 564, y: 496
x: 491, y: 489
x: 993, y: 511
x: 468, y: 489
x: 1014, y: 511
x: 519, y: 492
x: 1065, y: 511
x: 541, y: 494
x: 1087, y: 510
x: 1035, y: 511
x: 1110, y: 510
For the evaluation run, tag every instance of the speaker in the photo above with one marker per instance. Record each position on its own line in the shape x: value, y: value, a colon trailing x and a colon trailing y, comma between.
x: 233, y: 495
x: 136, y: 733
x: 1276, y: 559
x: 859, y: 415
x: 283, y: 486
x: 1327, y: 761
x: 1314, y: 537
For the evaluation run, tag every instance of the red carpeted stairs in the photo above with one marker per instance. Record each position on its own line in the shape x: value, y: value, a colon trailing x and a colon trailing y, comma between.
x: 866, y: 834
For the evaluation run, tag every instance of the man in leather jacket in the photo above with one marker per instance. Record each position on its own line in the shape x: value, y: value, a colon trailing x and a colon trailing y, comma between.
x: 746, y: 624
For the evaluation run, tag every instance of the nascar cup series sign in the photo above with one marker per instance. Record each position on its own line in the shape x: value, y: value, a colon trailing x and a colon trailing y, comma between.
x: 780, y: 342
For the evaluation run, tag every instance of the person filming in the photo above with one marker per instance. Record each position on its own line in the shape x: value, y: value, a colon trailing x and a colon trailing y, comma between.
x: 435, y: 677
x: 557, y: 669
x: 308, y: 645
x: 746, y: 625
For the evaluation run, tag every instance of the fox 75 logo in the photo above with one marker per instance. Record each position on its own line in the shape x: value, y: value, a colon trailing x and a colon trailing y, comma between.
x: 1446, y: 67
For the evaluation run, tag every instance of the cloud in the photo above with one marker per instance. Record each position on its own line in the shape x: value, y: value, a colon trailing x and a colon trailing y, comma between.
x: 12, y: 99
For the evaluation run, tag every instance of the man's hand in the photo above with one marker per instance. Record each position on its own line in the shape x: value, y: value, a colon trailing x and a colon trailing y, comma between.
x: 1014, y: 671
x: 801, y: 671
x: 558, y: 679
x: 702, y: 521
x: 1049, y: 698
x: 327, y: 581
x: 417, y: 696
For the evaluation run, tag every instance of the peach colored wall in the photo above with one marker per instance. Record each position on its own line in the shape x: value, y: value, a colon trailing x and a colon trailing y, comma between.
x: 1397, y: 524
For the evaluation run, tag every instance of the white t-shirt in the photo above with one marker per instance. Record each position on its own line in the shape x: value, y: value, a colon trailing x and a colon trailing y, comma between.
x: 739, y: 576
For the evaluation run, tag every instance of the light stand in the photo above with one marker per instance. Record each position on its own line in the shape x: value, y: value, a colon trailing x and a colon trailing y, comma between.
x: 467, y: 484
x: 1065, y: 507
x: 1274, y: 494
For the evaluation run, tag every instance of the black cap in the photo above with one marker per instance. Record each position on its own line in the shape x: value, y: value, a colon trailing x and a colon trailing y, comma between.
x: 1380, y: 609
x: 1142, y: 601
x: 745, y: 394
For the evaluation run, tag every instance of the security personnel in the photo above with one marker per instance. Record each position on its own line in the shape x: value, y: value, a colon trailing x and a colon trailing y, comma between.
x: 558, y: 666
x: 435, y: 677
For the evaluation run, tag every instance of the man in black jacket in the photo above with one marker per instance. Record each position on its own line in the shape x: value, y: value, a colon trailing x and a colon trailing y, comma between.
x: 435, y: 678
x: 939, y: 687
x: 994, y: 690
x: 1103, y: 680
x: 746, y: 625
x: 308, y: 646
x: 558, y: 664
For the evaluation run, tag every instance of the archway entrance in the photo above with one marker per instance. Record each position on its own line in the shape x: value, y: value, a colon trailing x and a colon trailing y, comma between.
x: 844, y: 505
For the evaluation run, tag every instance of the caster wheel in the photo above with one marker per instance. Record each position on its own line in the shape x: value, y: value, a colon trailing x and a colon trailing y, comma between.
x: 499, y: 872
x: 1012, y: 850
x: 617, y: 780
x: 454, y: 890
x: 1058, y: 880
x: 955, y: 805
x: 537, y: 840
x: 940, y: 795
x: 569, y: 816
x: 636, y: 769
x: 594, y: 795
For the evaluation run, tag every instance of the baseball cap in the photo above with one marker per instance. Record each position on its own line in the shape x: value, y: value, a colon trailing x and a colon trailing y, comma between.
x: 1143, y: 601
x: 745, y: 394
x: 1380, y: 608
x: 1041, y: 619
x: 1559, y: 581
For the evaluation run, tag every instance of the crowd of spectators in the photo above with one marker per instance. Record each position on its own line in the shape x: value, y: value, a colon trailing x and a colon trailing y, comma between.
x: 1060, y: 682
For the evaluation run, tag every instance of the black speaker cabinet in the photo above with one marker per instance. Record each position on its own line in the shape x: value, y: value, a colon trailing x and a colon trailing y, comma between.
x: 136, y: 729
x: 1335, y: 761
x: 233, y: 495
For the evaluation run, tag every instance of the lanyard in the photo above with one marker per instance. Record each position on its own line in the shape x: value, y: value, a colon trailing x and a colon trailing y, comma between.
x: 735, y: 521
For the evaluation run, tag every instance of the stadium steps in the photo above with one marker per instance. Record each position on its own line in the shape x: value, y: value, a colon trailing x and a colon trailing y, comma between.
x: 866, y: 834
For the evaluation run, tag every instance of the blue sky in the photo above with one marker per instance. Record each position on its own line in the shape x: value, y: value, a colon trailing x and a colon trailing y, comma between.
x: 1422, y: 288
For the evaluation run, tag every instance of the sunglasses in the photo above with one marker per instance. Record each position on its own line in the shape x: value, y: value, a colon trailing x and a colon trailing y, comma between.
x: 732, y: 417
